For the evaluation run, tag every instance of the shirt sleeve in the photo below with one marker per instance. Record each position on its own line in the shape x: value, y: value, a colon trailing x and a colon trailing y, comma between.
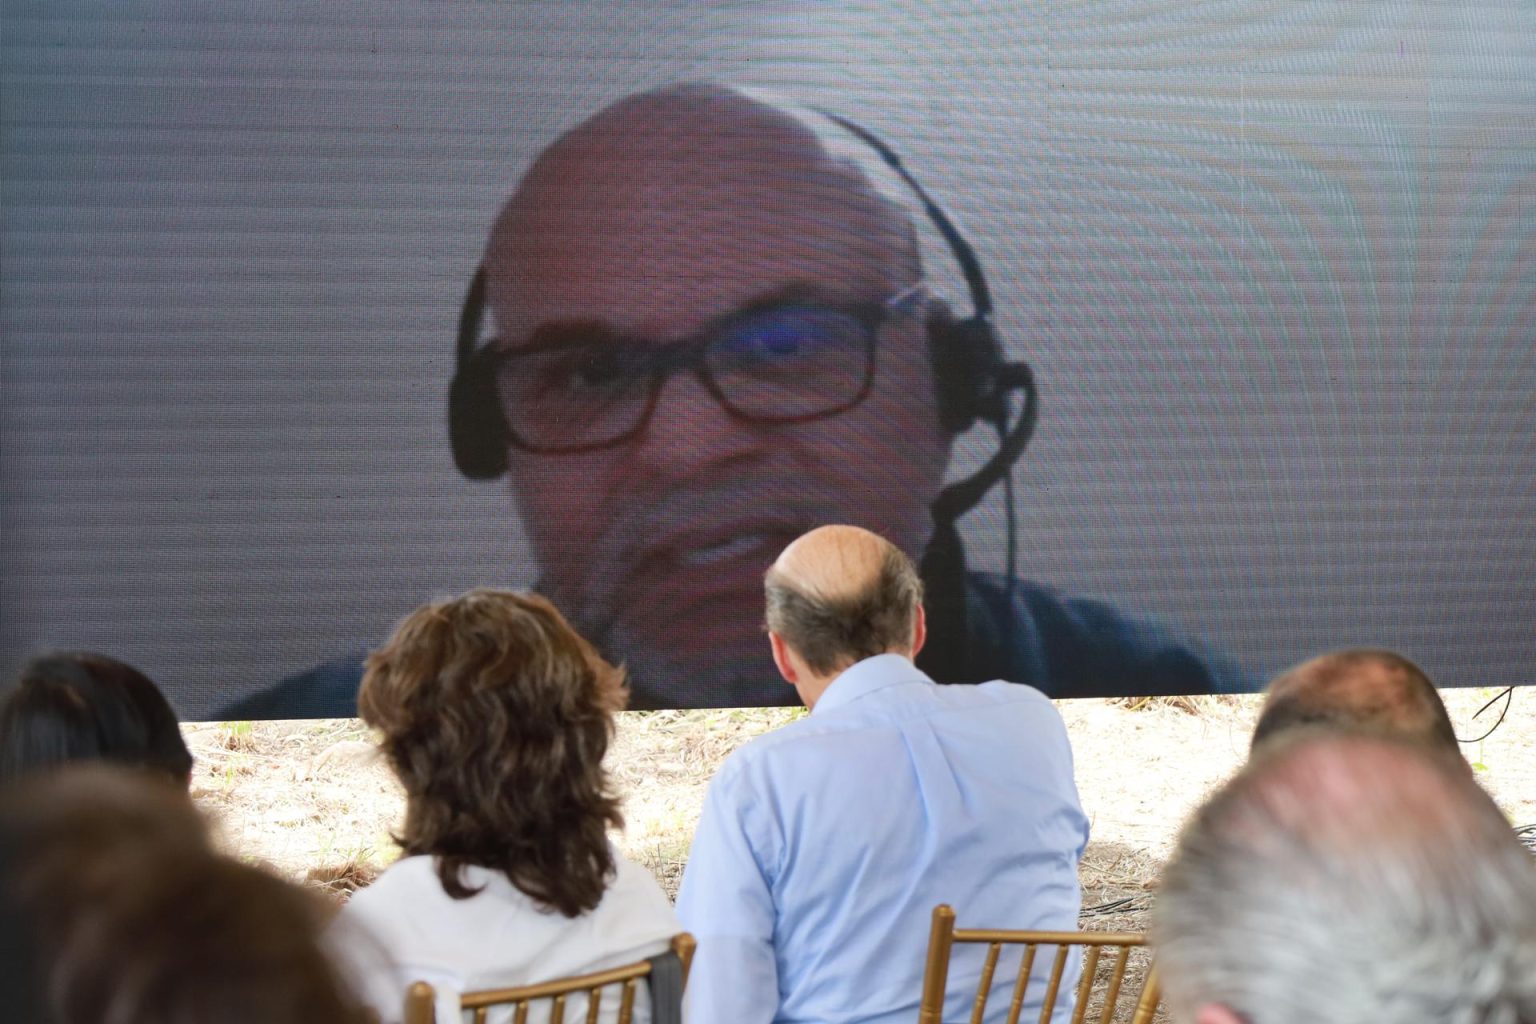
x: 726, y: 903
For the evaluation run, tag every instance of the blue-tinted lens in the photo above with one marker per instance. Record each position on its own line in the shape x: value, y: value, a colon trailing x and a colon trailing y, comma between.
x: 786, y: 336
x: 792, y: 361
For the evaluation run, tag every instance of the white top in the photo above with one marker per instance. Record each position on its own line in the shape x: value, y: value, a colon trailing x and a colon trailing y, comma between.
x: 404, y: 928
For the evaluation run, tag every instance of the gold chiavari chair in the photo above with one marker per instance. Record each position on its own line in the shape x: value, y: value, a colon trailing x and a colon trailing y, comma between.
x: 420, y: 997
x: 943, y: 935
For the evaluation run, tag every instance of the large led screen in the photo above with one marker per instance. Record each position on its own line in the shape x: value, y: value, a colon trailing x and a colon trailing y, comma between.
x: 1214, y: 352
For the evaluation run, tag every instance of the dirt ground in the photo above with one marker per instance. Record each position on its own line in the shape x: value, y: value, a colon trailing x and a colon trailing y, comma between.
x: 313, y: 800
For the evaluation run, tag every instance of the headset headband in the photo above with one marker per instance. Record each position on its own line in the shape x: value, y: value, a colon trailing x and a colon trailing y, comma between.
x: 965, y: 255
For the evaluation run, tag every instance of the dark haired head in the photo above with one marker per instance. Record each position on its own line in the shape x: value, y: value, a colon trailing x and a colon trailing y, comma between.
x: 87, y: 707
x: 1364, y: 688
x: 838, y: 622
x: 495, y: 714
x: 131, y: 916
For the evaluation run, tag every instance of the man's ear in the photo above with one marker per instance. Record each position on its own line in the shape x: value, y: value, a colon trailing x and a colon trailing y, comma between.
x: 782, y: 659
x: 1215, y: 1013
x: 919, y: 631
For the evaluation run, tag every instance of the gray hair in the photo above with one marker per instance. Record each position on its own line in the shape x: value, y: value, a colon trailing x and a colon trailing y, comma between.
x: 1329, y: 884
x: 833, y: 633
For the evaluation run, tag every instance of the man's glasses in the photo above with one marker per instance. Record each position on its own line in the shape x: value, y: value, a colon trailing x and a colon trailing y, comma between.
x: 581, y: 386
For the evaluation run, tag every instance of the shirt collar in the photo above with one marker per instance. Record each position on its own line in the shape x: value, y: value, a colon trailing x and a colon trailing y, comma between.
x: 867, y: 676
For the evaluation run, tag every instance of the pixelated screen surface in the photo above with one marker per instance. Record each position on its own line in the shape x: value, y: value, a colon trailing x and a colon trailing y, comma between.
x: 1273, y: 266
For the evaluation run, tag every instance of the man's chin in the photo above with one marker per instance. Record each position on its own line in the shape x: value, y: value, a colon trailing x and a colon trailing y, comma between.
x: 695, y: 647
x: 722, y: 675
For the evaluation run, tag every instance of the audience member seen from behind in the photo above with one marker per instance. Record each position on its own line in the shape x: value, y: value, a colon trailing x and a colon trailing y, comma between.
x: 129, y: 915
x: 1349, y: 878
x: 1362, y: 689
x: 86, y: 707
x: 496, y: 715
x: 824, y: 846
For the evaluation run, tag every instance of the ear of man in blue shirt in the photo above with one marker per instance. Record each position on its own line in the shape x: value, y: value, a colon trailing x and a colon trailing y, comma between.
x: 824, y: 847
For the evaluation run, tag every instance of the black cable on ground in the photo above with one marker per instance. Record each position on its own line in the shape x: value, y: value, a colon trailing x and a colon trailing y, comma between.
x: 1508, y: 697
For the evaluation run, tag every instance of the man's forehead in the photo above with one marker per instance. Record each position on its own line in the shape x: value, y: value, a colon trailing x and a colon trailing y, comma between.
x: 676, y: 128
x: 683, y: 225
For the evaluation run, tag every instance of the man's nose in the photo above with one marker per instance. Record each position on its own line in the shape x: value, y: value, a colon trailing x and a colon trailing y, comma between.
x: 690, y: 431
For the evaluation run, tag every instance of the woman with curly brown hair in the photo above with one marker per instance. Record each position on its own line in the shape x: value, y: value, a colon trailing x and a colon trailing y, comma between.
x: 495, y: 715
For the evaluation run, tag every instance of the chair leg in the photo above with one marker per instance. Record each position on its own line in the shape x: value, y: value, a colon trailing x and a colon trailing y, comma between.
x: 936, y: 971
x: 1146, y: 1003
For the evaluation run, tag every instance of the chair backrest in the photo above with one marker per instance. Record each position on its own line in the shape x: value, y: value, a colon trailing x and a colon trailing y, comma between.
x: 1093, y: 945
x: 420, y: 997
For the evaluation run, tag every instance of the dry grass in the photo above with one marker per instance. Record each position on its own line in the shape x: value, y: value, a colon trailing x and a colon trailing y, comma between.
x: 1189, y: 703
x: 1117, y: 887
x: 313, y: 800
x: 341, y: 879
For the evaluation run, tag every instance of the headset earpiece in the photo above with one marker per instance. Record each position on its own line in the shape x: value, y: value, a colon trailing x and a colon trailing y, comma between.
x: 967, y: 363
x: 476, y: 428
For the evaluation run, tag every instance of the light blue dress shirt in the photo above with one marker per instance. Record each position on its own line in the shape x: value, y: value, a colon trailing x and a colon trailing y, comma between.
x: 825, y: 845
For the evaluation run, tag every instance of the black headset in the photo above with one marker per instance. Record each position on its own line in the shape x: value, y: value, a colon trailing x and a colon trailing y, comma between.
x: 973, y: 383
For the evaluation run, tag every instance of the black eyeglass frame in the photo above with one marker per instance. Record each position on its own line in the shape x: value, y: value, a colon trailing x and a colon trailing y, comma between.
x: 688, y: 353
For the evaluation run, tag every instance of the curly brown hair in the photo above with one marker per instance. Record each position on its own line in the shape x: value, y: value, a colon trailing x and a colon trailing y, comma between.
x: 495, y: 714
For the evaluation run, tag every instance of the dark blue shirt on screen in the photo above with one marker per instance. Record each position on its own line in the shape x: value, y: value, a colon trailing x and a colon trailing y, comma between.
x: 1027, y: 633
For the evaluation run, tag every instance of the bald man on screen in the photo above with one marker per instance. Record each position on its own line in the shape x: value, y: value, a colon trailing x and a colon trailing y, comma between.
x: 824, y: 846
x: 711, y: 328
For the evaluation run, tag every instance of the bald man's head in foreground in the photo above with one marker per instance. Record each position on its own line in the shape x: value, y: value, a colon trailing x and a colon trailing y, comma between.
x: 1372, y: 690
x: 1345, y: 878
x: 836, y: 596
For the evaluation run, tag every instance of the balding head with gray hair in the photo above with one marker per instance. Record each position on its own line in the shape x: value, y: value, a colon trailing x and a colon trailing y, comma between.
x: 1345, y: 878
x: 836, y: 596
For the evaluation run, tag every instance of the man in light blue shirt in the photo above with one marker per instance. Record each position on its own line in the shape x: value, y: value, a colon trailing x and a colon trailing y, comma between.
x: 824, y: 846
